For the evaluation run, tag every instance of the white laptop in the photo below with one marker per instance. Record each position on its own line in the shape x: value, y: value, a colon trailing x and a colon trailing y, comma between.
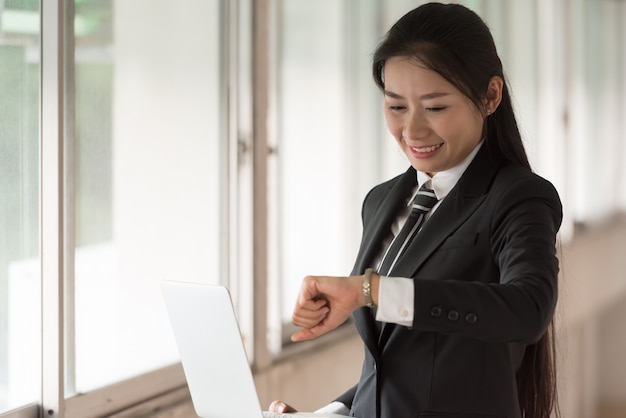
x: 212, y: 352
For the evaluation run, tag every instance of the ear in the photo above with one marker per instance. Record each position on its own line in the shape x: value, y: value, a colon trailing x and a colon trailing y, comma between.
x: 493, y: 97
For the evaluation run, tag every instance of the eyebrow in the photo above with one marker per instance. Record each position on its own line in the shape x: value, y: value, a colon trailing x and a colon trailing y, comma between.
x: 426, y: 96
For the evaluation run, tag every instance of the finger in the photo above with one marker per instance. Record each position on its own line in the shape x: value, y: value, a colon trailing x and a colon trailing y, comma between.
x: 309, y: 333
x: 274, y: 406
x: 306, y: 334
x: 309, y: 290
x: 308, y: 319
x: 281, y: 407
x: 310, y: 313
x: 310, y: 309
x: 277, y: 406
x: 311, y: 304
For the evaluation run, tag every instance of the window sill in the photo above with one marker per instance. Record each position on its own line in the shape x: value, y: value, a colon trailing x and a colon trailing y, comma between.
x: 291, y: 349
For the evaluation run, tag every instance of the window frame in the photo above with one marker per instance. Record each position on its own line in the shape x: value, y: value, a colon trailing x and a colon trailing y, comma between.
x: 27, y: 411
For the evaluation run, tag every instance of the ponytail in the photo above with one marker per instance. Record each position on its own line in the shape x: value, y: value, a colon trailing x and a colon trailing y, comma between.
x: 536, y: 378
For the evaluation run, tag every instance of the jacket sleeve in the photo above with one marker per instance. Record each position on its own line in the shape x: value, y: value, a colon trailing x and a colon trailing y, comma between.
x: 515, y: 301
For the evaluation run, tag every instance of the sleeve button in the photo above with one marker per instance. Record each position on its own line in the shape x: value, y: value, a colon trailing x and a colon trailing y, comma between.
x: 435, y: 312
x: 453, y: 315
x: 471, y: 318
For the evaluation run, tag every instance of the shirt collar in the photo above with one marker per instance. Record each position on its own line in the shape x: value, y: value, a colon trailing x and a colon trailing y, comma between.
x: 445, y: 180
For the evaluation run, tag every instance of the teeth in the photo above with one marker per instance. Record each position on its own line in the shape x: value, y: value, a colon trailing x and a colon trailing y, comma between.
x: 426, y: 149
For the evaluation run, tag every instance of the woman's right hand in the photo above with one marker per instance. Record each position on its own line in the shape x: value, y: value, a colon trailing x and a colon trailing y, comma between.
x: 325, y: 302
x: 281, y: 407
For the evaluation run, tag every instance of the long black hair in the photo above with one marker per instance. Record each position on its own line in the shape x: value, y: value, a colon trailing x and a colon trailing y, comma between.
x: 456, y: 43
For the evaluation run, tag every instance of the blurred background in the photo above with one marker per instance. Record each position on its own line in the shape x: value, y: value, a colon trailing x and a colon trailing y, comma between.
x: 143, y: 140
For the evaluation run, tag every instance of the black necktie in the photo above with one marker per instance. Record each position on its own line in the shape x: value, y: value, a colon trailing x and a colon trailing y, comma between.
x: 422, y: 204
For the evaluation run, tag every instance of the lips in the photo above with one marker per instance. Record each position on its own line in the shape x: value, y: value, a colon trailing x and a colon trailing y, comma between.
x: 426, y: 149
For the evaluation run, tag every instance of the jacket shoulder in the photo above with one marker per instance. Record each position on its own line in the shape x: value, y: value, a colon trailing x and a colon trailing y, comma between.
x: 514, y: 185
x: 512, y: 177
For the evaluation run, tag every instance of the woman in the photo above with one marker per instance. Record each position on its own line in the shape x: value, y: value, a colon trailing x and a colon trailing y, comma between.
x: 460, y: 324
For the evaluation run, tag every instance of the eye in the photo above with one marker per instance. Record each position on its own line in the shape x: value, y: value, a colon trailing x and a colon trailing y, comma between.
x: 436, y: 109
x: 396, y: 108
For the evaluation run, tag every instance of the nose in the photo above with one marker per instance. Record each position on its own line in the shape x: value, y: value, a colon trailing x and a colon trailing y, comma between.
x: 415, y: 126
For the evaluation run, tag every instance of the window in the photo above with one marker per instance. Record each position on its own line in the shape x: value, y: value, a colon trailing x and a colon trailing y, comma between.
x: 327, y: 140
x: 140, y: 190
x: 145, y: 186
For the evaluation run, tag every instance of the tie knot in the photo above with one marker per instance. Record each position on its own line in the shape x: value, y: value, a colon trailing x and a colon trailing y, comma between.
x: 425, y: 199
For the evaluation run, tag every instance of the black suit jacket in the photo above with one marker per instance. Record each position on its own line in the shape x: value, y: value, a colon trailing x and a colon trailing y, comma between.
x: 485, y: 272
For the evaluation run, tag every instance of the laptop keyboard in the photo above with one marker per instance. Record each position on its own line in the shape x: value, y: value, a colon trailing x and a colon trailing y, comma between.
x: 267, y: 414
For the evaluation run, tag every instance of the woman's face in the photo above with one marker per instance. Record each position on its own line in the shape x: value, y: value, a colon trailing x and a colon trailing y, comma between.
x: 434, y: 123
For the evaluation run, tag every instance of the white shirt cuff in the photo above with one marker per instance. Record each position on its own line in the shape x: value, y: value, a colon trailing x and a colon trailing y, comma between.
x: 396, y: 301
x: 334, y: 408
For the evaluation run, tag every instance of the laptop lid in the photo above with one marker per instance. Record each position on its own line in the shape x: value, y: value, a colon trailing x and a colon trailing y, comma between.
x: 212, y: 353
x: 211, y: 350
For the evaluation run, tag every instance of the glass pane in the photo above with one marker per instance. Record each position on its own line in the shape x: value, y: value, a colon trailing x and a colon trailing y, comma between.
x: 330, y: 136
x: 20, y: 322
x: 146, y: 171
x: 311, y: 153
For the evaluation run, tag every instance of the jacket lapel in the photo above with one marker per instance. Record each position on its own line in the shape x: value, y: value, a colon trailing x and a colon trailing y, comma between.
x: 377, y: 227
x: 378, y: 224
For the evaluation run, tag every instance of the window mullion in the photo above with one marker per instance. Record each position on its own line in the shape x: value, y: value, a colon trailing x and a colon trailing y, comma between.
x: 51, y: 206
x: 261, y: 151
x: 69, y: 227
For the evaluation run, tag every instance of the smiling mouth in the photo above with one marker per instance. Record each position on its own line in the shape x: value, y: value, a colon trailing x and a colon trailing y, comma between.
x: 430, y: 148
